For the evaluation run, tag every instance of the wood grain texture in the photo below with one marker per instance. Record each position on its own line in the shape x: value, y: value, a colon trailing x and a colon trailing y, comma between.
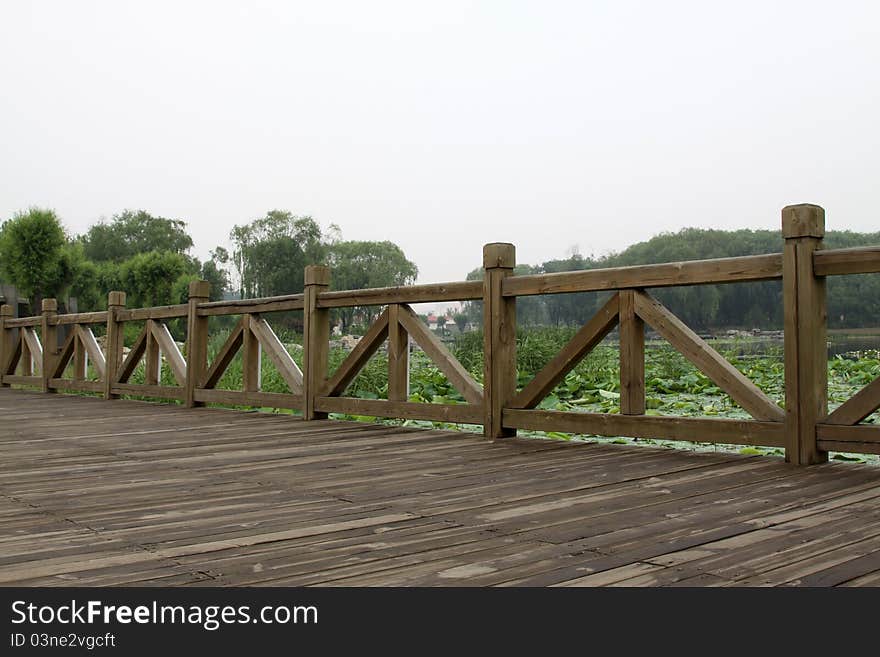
x: 170, y: 351
x: 278, y: 354
x: 467, y: 413
x: 632, y: 356
x: 398, y: 357
x: 859, y: 260
x: 434, y: 292
x: 583, y: 342
x: 224, y: 356
x: 858, y: 407
x: 707, y: 360
x: 350, y: 367
x: 125, y: 493
x: 696, y: 272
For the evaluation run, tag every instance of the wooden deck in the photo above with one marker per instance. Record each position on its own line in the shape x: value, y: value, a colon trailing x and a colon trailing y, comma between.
x: 129, y: 493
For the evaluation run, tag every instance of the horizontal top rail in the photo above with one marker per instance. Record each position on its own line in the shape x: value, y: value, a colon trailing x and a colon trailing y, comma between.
x: 16, y: 322
x: 154, y: 312
x: 258, y: 305
x: 379, y: 296
x: 695, y: 272
x: 98, y: 317
x: 858, y: 260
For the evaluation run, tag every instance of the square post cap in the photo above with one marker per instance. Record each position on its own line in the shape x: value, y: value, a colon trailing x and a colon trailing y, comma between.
x: 499, y: 255
x: 803, y: 220
x: 199, y: 289
x: 116, y: 298
x: 50, y: 305
x: 317, y: 275
x: 5, y: 310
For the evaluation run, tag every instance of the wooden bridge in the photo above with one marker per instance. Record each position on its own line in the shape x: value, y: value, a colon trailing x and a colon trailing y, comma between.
x: 109, y: 491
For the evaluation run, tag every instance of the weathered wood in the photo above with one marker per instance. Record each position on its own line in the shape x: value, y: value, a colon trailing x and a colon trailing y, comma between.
x: 244, y: 398
x: 24, y: 380
x: 80, y: 357
x: 316, y: 339
x: 632, y: 356
x: 66, y: 352
x: 224, y: 356
x: 129, y: 365
x: 152, y: 356
x: 253, y: 306
x: 734, y: 432
x: 350, y: 367
x: 79, y: 386
x: 113, y: 341
x: 99, y: 317
x: 34, y: 348
x: 858, y: 407
x: 583, y: 342
x: 7, y: 350
x: 93, y: 350
x: 161, y: 392
x: 196, y: 341
x: 806, y: 361
x: 695, y: 272
x: 467, y: 413
x: 251, y: 365
x: 380, y: 296
x: 499, y: 339
x: 710, y: 362
x: 155, y: 313
x: 458, y: 376
x: 168, y: 348
x: 277, y: 353
x: 859, y: 260
x: 398, y: 357
x: 862, y: 433
x: 19, y: 322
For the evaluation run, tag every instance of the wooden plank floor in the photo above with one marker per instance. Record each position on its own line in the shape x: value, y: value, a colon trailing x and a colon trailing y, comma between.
x: 128, y: 493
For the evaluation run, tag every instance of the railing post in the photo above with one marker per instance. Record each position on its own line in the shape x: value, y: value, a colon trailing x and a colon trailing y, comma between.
x: 499, y: 338
x: 398, y: 356
x: 113, y: 342
x: 196, y: 341
x: 316, y: 339
x: 50, y: 341
x: 632, y: 356
x: 806, y: 354
x: 6, y: 347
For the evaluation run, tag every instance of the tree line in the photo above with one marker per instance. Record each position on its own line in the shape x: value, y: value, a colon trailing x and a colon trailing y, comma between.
x: 149, y: 258
x: 853, y: 301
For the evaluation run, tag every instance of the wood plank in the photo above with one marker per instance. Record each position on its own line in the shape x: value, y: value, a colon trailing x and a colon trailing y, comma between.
x: 695, y: 272
x: 632, y: 356
x: 251, y: 365
x: 398, y: 357
x: 19, y: 322
x: 458, y: 376
x: 858, y: 407
x: 22, y: 380
x: 348, y: 369
x: 162, y: 392
x: 242, y: 398
x: 64, y: 354
x: 499, y: 338
x: 278, y: 354
x: 859, y: 439
x: 316, y: 339
x: 99, y: 317
x: 34, y: 347
x: 79, y: 386
x: 583, y: 342
x: 283, y: 302
x: 734, y: 432
x: 467, y: 413
x: 380, y: 296
x: 859, y: 260
x: 706, y: 359
x: 80, y: 358
x: 225, y: 355
x: 171, y: 352
x: 134, y: 356
x: 152, y: 356
x: 154, y: 313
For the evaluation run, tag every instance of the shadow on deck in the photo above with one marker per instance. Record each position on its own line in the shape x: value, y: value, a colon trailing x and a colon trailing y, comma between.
x: 129, y: 493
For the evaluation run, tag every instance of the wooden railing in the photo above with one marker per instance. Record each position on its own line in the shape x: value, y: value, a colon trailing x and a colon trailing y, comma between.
x: 804, y: 428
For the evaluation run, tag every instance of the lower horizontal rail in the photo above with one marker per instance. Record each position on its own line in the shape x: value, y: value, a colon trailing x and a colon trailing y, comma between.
x: 860, y: 438
x: 466, y: 413
x: 240, y: 398
x: 162, y: 392
x: 701, y: 430
x: 17, y: 379
x: 79, y: 386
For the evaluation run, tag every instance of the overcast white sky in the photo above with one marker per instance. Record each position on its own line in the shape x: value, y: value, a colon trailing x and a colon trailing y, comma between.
x: 444, y: 125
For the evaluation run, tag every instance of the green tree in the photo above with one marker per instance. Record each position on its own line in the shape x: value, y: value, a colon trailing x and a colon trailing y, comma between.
x: 270, y: 253
x: 132, y: 232
x: 33, y: 255
x: 154, y: 278
x: 356, y: 265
